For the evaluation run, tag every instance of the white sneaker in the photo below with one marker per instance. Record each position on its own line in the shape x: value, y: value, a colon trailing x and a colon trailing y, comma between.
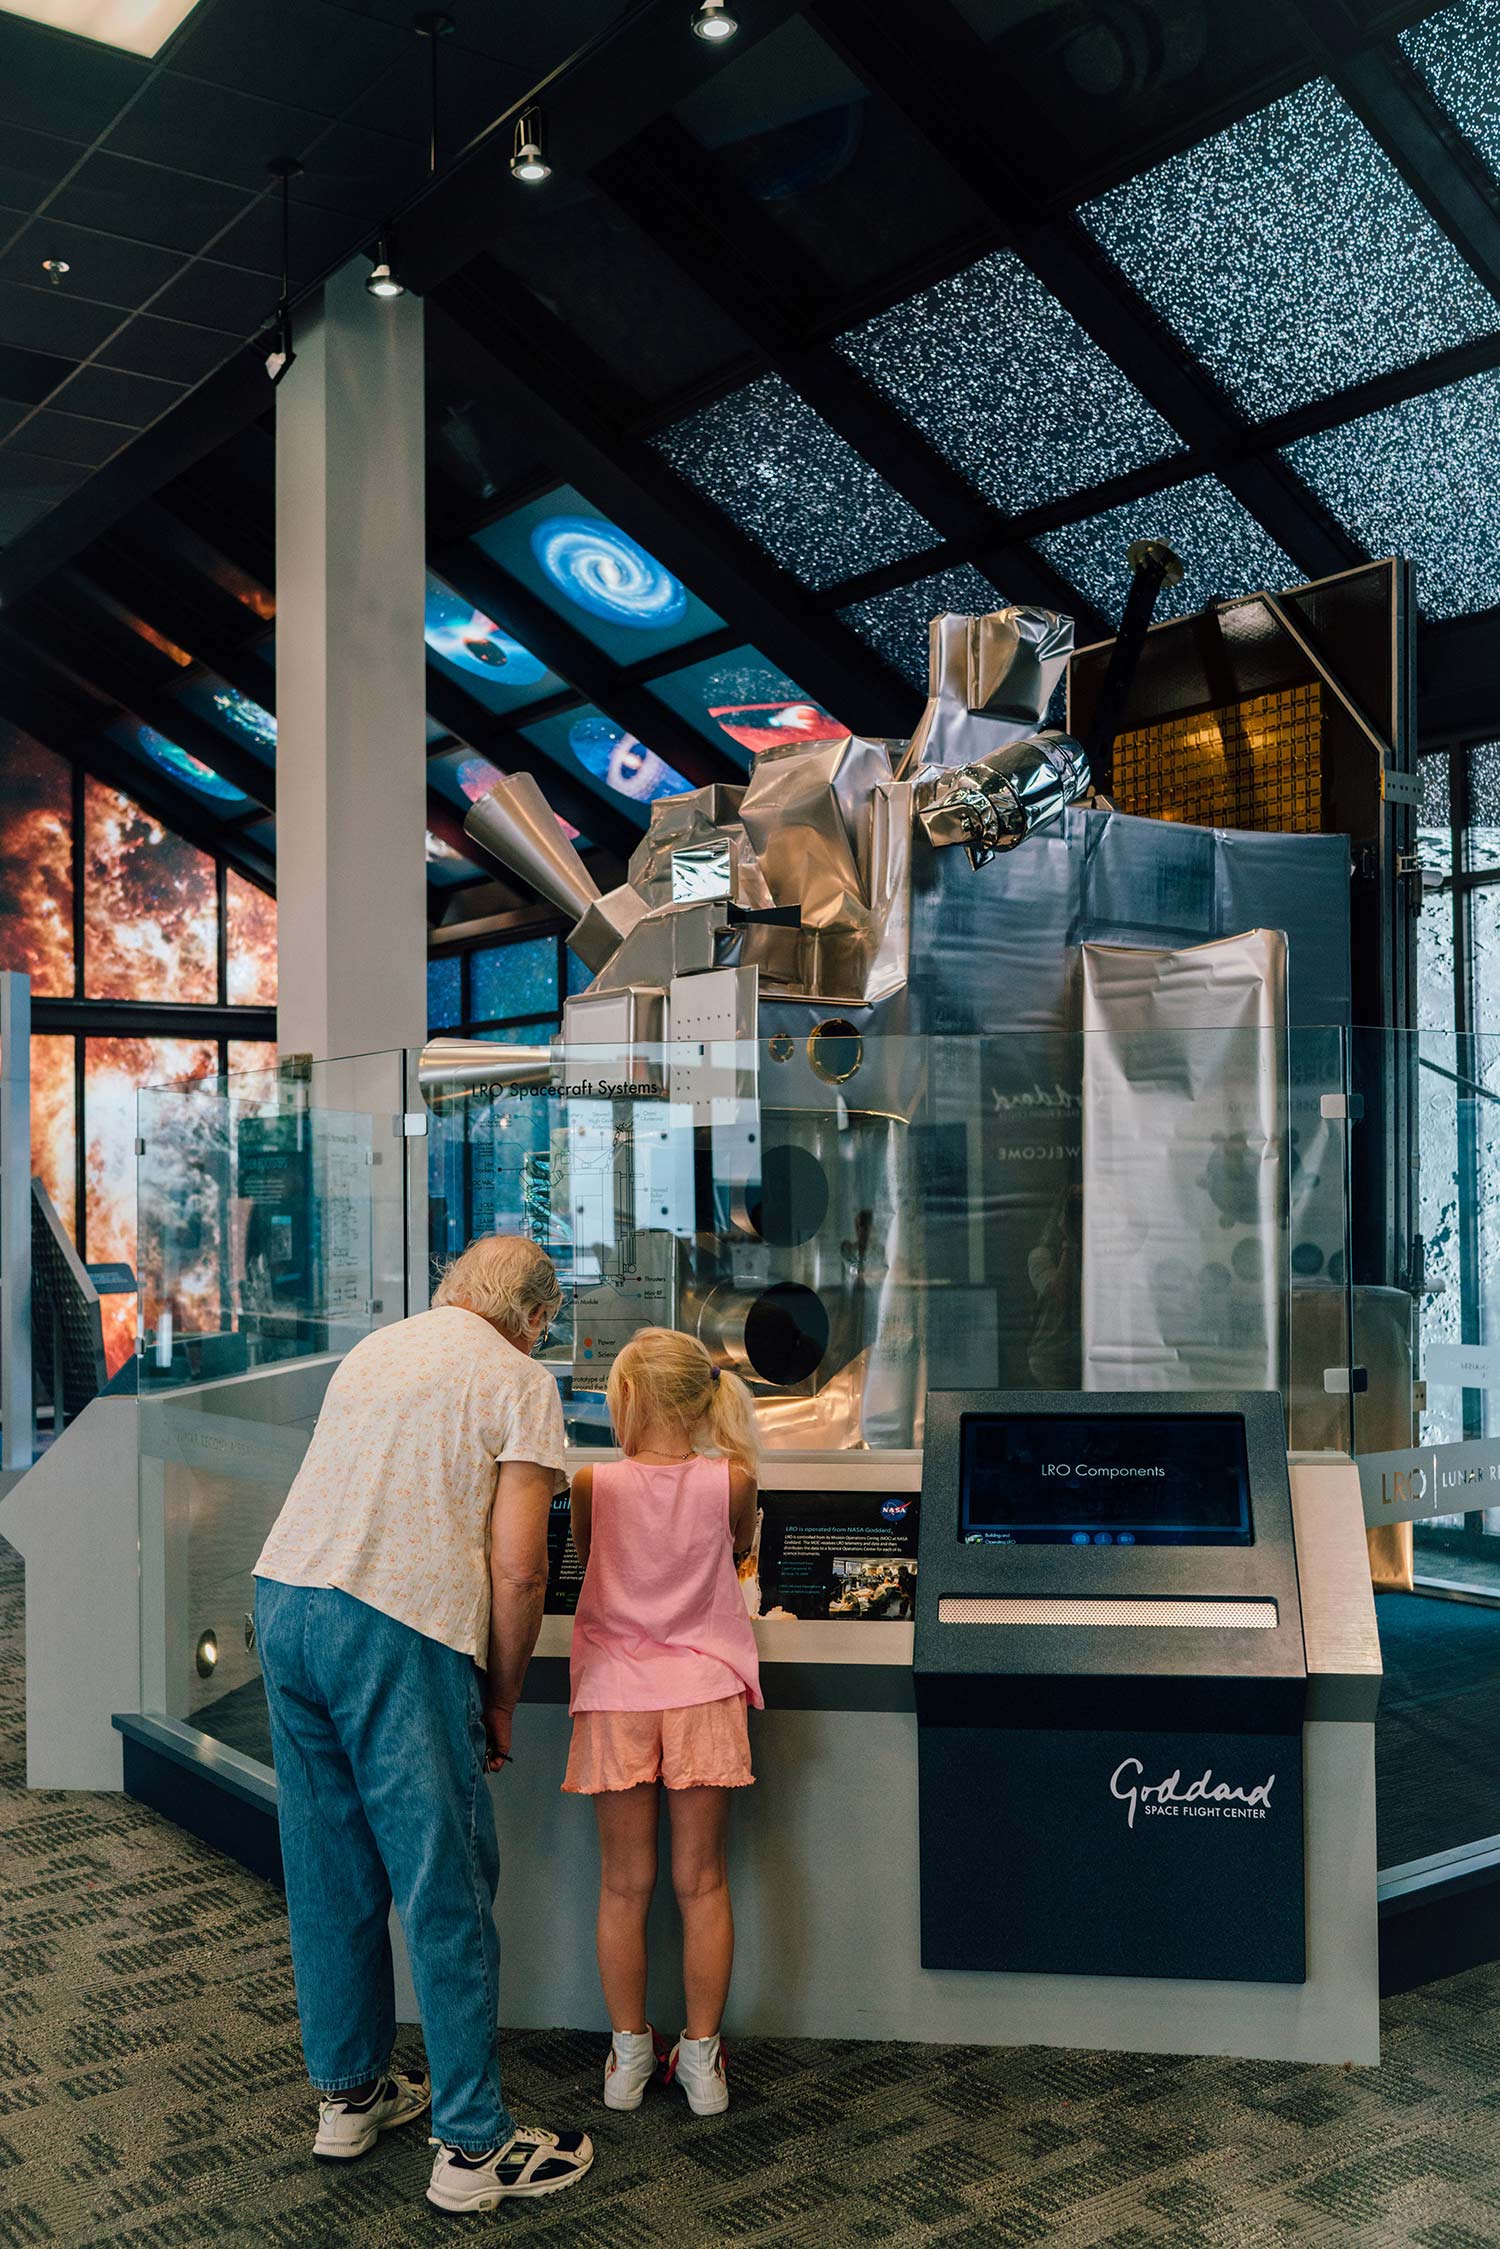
x: 698, y: 2066
x: 531, y: 2162
x: 633, y: 2062
x: 347, y: 2129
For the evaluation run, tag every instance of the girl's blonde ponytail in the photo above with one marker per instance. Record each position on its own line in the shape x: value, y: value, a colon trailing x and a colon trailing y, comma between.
x: 731, y: 1421
x: 663, y: 1375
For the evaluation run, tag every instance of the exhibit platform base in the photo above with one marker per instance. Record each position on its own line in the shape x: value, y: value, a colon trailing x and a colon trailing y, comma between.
x: 824, y: 1869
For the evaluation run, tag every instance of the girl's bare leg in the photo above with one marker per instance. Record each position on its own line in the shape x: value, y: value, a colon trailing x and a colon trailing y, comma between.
x: 700, y: 1877
x: 627, y: 1877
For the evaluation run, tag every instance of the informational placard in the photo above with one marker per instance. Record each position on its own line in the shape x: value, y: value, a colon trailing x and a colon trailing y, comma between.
x: 342, y: 1171
x: 564, y: 1570
x: 844, y: 1555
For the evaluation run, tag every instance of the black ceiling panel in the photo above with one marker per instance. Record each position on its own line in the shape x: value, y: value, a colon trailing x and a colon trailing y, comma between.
x: 49, y: 320
x: 148, y: 202
x: 531, y: 39
x: 69, y: 437
x: 320, y: 238
x: 327, y: 55
x: 362, y: 173
x: 28, y: 377
x: 168, y: 348
x: 52, y: 84
x: 105, y: 269
x: 32, y: 165
x: 473, y: 89
x: 588, y: 263
x: 110, y: 395
x: 29, y: 489
x: 211, y: 131
x: 209, y: 295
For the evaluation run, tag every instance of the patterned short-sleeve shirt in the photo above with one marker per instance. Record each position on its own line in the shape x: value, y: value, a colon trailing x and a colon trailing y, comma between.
x: 392, y: 1501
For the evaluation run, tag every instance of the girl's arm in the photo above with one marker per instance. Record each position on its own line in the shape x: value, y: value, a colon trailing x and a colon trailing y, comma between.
x: 744, y: 1496
x: 581, y: 1509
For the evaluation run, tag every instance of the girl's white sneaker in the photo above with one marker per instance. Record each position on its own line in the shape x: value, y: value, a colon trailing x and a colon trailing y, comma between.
x: 698, y: 2066
x: 633, y: 2062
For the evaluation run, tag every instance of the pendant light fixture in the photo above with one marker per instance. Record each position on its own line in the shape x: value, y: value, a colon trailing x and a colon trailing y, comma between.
x: 528, y: 157
x: 281, y: 355
x: 711, y: 20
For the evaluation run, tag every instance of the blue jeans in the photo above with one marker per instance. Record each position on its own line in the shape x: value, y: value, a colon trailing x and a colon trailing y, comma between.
x: 378, y: 1736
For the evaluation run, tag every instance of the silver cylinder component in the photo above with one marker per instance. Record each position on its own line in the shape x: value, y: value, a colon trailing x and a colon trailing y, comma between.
x: 453, y: 1066
x: 778, y: 1335
x: 517, y: 826
x: 1001, y: 799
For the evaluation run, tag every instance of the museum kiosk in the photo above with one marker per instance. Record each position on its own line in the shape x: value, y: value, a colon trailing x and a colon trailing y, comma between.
x: 990, y: 1103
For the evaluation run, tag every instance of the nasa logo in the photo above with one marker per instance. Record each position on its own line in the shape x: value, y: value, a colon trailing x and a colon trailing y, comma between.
x: 896, y: 1510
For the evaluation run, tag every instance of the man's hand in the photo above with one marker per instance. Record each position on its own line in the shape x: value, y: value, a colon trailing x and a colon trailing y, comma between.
x: 497, y: 1723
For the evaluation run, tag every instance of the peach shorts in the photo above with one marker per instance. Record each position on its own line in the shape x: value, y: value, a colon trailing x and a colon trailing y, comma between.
x: 705, y: 1745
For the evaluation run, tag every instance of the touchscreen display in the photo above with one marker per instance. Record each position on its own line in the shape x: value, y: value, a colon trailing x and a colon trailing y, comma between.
x: 1104, y: 1480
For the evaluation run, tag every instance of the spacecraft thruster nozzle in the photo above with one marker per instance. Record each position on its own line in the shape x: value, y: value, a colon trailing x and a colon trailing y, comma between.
x: 1001, y: 799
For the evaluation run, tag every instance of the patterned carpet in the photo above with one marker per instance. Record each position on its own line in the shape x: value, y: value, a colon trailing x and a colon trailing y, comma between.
x: 151, y: 2097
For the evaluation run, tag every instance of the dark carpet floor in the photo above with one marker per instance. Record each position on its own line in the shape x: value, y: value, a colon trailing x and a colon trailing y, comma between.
x: 152, y: 2097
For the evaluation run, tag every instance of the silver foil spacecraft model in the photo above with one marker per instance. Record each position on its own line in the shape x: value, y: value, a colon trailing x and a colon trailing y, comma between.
x: 868, y: 1003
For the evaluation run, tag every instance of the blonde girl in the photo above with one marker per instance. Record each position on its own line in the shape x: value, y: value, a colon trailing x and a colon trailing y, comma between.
x: 663, y: 1667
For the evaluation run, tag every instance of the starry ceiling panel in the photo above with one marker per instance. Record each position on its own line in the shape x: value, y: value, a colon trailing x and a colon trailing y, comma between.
x: 793, y: 485
x: 1223, y: 549
x: 1004, y: 383
x: 1291, y: 257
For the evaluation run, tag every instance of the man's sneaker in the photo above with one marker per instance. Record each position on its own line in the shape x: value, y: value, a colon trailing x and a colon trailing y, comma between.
x: 531, y: 2162
x: 698, y: 2066
x: 634, y: 2059
x: 350, y: 2128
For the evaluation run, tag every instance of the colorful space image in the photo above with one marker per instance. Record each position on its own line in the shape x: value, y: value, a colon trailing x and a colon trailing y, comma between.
x: 602, y: 570
x: 250, y: 943
x: 54, y: 1123
x: 183, y: 767
x: 475, y: 643
x: 596, y: 577
x: 150, y: 906
x: 617, y: 758
x: 743, y: 696
x: 239, y: 715
x: 177, y: 1261
x: 36, y: 865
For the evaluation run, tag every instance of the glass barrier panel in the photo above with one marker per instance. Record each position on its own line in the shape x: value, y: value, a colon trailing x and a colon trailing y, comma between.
x: 848, y: 1220
x: 272, y: 1237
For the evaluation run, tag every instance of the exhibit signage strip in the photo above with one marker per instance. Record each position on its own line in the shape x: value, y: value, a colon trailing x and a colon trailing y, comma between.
x: 1423, y: 1480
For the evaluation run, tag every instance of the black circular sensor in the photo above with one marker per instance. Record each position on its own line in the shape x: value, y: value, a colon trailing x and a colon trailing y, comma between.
x: 1307, y: 1258
x: 786, y: 1333
x: 791, y: 1201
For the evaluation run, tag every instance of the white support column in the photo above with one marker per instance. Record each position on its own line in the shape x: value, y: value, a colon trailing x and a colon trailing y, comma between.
x: 16, y: 1413
x: 350, y: 676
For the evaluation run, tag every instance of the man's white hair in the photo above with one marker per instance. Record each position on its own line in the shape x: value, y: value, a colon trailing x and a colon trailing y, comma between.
x: 503, y: 1277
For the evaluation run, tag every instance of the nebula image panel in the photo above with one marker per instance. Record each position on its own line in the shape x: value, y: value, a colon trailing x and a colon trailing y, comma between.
x: 247, y: 1055
x: 177, y: 1258
x: 36, y: 866
x: 54, y: 1124
x: 494, y: 665
x: 150, y: 906
x: 179, y: 764
x: 476, y: 777
x: 250, y: 942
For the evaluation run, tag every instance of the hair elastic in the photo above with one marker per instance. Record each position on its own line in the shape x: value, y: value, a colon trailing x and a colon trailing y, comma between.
x: 714, y: 1373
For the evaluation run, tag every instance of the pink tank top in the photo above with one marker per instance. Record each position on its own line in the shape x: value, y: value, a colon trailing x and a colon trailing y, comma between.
x: 661, y: 1620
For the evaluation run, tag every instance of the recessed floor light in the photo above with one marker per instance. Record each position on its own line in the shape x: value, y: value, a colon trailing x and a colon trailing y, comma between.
x: 140, y: 26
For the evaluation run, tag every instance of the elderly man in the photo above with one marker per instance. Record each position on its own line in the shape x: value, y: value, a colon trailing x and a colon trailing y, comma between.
x: 397, y: 1603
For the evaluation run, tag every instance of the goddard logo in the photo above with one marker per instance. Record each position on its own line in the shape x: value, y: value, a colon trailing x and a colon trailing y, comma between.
x: 1206, y: 1798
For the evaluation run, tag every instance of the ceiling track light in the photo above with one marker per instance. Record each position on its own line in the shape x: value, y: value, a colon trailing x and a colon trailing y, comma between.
x: 711, y: 20
x: 383, y: 281
x: 281, y: 355
x: 55, y: 269
x: 528, y: 160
